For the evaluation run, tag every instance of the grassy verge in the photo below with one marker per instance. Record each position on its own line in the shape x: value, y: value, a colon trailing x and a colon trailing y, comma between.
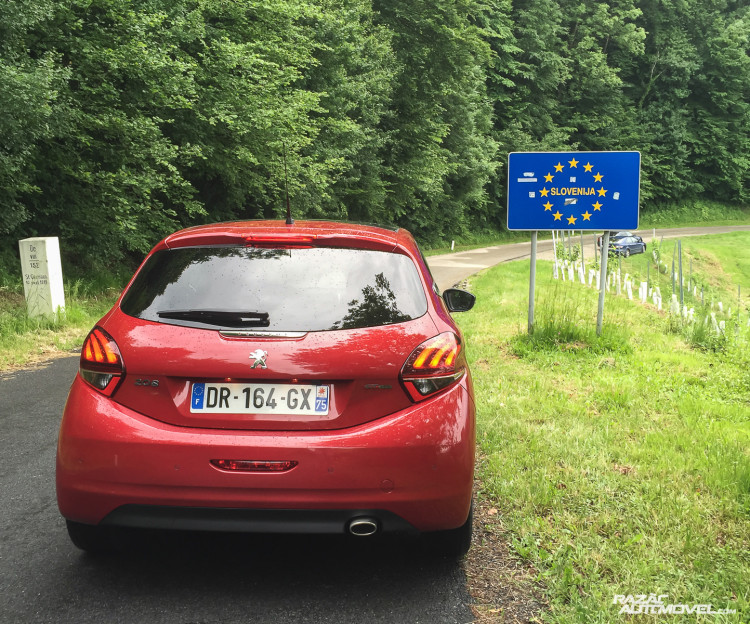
x: 690, y: 214
x: 619, y: 464
x: 24, y: 340
x: 716, y: 280
x: 730, y: 252
x: 714, y: 265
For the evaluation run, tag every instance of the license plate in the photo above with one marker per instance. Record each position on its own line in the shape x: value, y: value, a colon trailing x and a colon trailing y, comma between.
x: 239, y: 398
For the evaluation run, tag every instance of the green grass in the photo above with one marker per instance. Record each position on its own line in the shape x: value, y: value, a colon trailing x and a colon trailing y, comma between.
x: 713, y: 267
x: 24, y: 340
x: 620, y: 463
x: 695, y: 213
x: 730, y: 251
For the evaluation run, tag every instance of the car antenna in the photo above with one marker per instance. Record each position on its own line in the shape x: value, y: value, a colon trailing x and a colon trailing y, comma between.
x: 289, y: 220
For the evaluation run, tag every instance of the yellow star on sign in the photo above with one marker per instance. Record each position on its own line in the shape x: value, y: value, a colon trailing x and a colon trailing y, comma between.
x: 572, y: 220
x: 557, y: 215
x: 573, y: 163
x: 598, y: 177
x: 586, y: 216
x: 588, y: 167
x: 558, y: 167
x: 602, y: 192
x: 597, y: 206
x: 548, y: 177
x: 547, y: 206
x: 544, y: 192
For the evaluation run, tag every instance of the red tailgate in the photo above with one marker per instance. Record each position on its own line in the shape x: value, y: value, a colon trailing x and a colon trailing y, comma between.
x: 359, y: 366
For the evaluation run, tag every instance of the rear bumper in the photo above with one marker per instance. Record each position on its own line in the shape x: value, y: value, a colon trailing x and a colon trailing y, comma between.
x: 312, y: 521
x: 415, y: 466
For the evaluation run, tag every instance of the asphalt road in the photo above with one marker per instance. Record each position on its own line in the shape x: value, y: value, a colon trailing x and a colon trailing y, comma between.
x: 187, y: 578
x: 450, y: 269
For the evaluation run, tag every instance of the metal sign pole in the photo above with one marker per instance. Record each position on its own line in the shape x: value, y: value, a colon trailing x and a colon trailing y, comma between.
x: 532, y: 281
x: 739, y: 306
x: 602, y: 283
x: 554, y: 246
x: 561, y: 235
x: 583, y: 263
x: 682, y: 289
x: 556, y: 270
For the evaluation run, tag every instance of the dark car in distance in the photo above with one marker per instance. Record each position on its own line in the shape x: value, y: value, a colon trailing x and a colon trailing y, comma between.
x: 613, y: 236
x: 627, y: 245
x: 262, y: 377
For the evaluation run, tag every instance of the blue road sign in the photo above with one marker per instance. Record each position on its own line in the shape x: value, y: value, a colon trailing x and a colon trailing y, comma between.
x: 573, y: 190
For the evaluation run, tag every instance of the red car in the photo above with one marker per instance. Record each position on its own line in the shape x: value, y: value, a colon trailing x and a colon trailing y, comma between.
x: 264, y: 377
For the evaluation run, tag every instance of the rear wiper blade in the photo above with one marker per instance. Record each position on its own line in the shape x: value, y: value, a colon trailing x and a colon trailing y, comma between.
x: 224, y: 318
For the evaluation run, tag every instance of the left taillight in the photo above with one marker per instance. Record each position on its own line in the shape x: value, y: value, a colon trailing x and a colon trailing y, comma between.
x: 101, y: 363
x: 433, y: 366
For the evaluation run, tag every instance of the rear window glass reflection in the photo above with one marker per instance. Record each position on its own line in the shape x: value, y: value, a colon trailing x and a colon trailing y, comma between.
x: 277, y: 289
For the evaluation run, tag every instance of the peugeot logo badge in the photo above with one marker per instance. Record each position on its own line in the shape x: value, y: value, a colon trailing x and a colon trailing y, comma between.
x: 260, y: 358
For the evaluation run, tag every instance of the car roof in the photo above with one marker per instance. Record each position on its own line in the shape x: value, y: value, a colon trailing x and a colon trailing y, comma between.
x: 270, y: 233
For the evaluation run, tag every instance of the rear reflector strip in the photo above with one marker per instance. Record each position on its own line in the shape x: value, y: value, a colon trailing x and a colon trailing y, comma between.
x: 244, y: 465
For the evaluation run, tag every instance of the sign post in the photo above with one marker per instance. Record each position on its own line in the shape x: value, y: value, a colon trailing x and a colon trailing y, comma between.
x: 587, y: 191
x: 532, y: 281
x: 602, y: 282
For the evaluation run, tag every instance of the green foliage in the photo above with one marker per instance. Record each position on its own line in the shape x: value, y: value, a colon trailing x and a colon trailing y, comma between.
x: 565, y: 319
x: 438, y: 153
x: 692, y: 87
x: 567, y: 253
x: 29, y: 84
x: 124, y: 120
x: 694, y: 212
x: 354, y: 73
x: 701, y: 335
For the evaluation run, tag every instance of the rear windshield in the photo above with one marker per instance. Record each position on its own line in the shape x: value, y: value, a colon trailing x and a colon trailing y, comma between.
x: 276, y: 289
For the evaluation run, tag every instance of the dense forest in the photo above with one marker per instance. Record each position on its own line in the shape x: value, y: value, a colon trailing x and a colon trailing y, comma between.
x: 123, y: 120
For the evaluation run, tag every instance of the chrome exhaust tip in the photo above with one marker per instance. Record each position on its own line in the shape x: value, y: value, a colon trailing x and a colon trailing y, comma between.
x: 362, y: 527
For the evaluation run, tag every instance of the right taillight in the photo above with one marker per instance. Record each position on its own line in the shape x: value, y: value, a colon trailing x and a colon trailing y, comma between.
x: 433, y: 366
x: 101, y: 362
